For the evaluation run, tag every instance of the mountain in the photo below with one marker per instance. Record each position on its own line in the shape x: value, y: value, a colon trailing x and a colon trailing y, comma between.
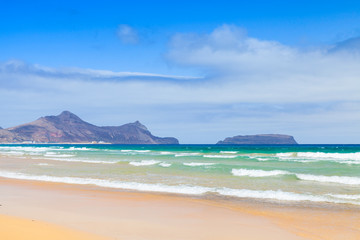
x: 260, y: 139
x: 69, y: 128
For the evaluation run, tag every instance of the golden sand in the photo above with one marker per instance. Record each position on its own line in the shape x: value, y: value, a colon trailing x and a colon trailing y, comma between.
x: 12, y: 228
x: 125, y: 215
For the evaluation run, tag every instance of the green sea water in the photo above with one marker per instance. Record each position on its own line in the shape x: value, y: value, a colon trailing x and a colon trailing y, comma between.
x: 321, y: 174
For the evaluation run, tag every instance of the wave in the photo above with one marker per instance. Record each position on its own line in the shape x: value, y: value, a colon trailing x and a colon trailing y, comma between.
x: 166, y: 153
x: 228, y: 152
x: 187, y: 189
x: 220, y: 156
x: 343, y: 156
x: 330, y: 179
x: 187, y: 154
x: 321, y: 155
x: 263, y: 159
x: 287, y: 154
x: 144, y: 163
x: 307, y: 177
x: 196, y: 164
x: 257, y: 173
x: 135, y: 151
x: 24, y: 149
x: 80, y: 149
x: 345, y: 196
x: 163, y: 164
x: 58, y: 155
x: 148, y: 187
x: 279, y: 195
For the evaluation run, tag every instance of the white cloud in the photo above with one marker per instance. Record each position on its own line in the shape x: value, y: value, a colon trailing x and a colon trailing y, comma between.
x: 250, y: 86
x: 127, y: 34
x: 267, y: 70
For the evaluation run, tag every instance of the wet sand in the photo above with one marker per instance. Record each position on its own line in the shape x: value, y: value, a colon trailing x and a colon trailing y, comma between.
x: 64, y: 209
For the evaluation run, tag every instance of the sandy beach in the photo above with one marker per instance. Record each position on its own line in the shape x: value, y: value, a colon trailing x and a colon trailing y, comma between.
x: 85, y: 212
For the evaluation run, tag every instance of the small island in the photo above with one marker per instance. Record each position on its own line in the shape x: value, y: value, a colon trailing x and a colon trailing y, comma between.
x: 260, y: 139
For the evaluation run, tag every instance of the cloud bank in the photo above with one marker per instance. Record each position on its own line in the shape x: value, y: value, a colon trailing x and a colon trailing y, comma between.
x: 248, y: 86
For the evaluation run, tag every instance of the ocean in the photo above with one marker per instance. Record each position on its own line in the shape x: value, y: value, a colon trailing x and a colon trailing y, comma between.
x: 295, y: 174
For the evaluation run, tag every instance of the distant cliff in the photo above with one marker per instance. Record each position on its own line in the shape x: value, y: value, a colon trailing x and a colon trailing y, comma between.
x: 260, y: 139
x: 69, y: 128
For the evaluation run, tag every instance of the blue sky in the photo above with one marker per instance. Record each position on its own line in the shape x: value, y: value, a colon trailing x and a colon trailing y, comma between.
x: 198, y: 71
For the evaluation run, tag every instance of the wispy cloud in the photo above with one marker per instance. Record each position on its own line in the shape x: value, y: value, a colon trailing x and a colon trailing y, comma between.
x: 127, y: 34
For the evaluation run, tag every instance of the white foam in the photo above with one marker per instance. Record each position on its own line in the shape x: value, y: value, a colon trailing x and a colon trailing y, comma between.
x: 135, y: 151
x: 24, y: 149
x: 345, y: 196
x: 144, y: 163
x: 220, y: 156
x: 257, y: 173
x: 330, y: 179
x: 163, y: 164
x: 344, y: 156
x: 188, y: 189
x: 276, y: 195
x: 196, y: 164
x: 80, y: 149
x: 321, y: 155
x: 58, y: 155
x: 180, y: 189
x: 50, y: 153
x: 166, y: 153
x: 287, y: 154
x: 186, y: 154
x: 228, y: 152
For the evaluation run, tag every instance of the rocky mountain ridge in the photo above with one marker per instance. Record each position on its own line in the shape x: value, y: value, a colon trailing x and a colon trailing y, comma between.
x: 69, y: 128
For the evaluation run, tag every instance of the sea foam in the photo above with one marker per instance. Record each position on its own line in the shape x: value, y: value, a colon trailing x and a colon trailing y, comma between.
x: 257, y: 173
x: 196, y: 164
x: 308, y: 177
x: 148, y: 187
x: 186, y: 189
x: 321, y: 155
x: 144, y: 163
x: 330, y: 179
x: 186, y: 154
x: 277, y: 195
x: 163, y: 164
x: 228, y: 152
x: 220, y: 156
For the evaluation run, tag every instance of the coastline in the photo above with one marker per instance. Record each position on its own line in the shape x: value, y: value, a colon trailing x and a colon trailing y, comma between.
x: 137, y: 215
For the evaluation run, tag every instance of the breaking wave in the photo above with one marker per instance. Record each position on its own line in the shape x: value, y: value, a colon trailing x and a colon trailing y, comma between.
x: 196, y: 164
x: 144, y: 163
x: 257, y: 173
x: 220, y: 156
x: 188, y: 189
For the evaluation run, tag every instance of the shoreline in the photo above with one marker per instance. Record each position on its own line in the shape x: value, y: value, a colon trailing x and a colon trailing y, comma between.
x: 168, y: 216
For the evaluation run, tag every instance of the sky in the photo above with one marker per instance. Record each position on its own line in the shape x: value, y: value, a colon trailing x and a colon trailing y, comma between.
x: 199, y: 71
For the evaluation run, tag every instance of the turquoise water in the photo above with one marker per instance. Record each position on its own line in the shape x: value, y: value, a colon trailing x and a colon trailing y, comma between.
x: 319, y: 174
